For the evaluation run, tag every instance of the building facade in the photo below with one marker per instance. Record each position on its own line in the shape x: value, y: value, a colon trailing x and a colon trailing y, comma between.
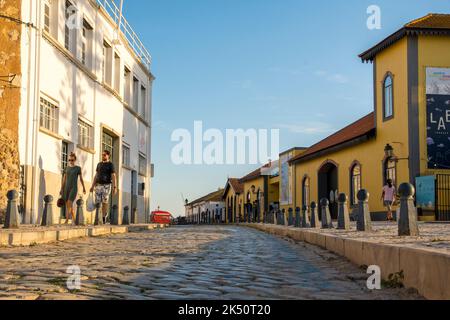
x: 233, y: 197
x: 406, y: 137
x: 86, y: 87
x: 206, y: 210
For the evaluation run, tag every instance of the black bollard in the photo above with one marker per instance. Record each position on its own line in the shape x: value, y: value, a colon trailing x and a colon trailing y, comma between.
x: 343, y: 213
x: 290, y: 217
x: 98, y: 215
x: 79, y: 220
x: 12, y: 218
x: 407, y: 222
x: 114, y: 216
x: 126, y: 216
x: 283, y: 217
x: 134, y: 217
x: 298, y: 218
x: 305, y: 217
x: 315, y: 222
x: 47, y: 216
x: 326, y: 216
x: 364, y: 221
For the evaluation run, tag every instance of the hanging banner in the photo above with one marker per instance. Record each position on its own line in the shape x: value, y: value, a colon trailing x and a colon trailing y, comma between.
x: 426, y: 192
x: 438, y: 117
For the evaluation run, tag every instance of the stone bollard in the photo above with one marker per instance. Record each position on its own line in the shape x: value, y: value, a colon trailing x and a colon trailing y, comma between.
x: 114, y: 215
x: 315, y: 222
x: 407, y: 221
x: 298, y: 218
x: 12, y: 218
x: 134, y: 216
x: 283, y: 217
x: 79, y: 219
x: 306, y: 223
x: 343, y: 213
x: 126, y: 216
x: 98, y: 215
x: 364, y: 221
x: 47, y: 216
x: 290, y: 217
x: 326, y: 216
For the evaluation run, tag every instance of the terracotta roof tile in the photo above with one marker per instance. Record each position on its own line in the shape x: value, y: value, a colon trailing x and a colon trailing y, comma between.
x: 237, y: 186
x: 357, y: 129
x: 215, y: 196
x: 431, y: 21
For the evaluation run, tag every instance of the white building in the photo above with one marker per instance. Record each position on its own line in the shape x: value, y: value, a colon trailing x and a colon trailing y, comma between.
x: 207, y: 209
x: 86, y: 88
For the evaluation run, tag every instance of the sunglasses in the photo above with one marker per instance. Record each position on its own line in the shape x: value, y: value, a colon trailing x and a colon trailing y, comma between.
x: 71, y: 160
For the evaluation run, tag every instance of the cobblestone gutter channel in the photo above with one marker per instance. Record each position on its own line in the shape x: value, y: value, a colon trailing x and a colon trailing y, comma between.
x: 36, y: 235
x: 424, y: 261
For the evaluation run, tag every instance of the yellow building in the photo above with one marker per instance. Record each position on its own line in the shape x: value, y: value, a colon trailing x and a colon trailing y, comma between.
x: 233, y: 196
x: 407, y: 135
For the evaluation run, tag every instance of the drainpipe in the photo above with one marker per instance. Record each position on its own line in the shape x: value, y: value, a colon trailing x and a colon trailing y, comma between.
x: 37, y: 70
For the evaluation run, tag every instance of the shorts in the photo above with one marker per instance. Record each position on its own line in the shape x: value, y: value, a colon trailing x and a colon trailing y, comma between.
x: 388, y: 204
x: 102, y: 193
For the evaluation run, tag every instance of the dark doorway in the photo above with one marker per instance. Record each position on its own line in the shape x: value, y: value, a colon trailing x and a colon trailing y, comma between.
x: 134, y: 190
x: 328, y: 186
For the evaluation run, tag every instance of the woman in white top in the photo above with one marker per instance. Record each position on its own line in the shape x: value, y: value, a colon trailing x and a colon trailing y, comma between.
x: 388, y: 197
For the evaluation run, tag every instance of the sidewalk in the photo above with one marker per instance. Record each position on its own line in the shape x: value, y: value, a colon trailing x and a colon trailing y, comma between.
x: 34, y: 235
x: 424, y: 260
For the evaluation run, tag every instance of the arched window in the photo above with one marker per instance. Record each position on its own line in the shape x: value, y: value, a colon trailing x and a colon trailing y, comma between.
x: 355, y: 183
x: 306, y: 192
x: 388, y: 101
x: 390, y: 170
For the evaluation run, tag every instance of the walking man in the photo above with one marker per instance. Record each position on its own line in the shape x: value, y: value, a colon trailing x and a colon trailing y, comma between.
x: 105, y: 182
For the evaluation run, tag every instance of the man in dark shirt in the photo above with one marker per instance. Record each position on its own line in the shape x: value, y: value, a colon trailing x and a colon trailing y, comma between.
x: 104, y: 182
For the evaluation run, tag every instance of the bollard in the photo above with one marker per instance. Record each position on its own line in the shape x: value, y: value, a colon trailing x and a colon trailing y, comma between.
x: 343, y: 213
x: 407, y: 222
x: 114, y: 220
x: 12, y: 218
x: 283, y: 217
x: 47, y: 216
x: 134, y: 217
x: 298, y: 219
x: 305, y: 217
x: 326, y: 216
x: 290, y: 217
x: 364, y: 221
x: 98, y: 215
x: 79, y: 219
x: 126, y: 216
x: 315, y: 223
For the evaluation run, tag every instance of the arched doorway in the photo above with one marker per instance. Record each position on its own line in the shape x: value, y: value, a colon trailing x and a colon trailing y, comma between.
x: 328, y: 185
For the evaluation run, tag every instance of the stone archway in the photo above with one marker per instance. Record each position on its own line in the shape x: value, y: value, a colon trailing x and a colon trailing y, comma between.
x: 328, y: 183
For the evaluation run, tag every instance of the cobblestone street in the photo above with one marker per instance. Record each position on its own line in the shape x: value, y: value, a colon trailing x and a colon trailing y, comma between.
x: 210, y: 262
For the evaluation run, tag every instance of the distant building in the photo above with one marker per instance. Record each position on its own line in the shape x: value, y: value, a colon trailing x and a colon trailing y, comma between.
x: 206, y: 210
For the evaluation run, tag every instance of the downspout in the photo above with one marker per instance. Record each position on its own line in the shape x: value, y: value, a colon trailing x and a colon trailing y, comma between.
x: 34, y: 200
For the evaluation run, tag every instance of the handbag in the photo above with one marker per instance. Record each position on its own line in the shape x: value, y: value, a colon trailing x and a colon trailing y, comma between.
x: 90, y: 204
x: 60, y: 203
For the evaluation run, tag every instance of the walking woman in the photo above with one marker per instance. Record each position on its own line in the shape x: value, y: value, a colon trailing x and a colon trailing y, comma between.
x: 69, y: 188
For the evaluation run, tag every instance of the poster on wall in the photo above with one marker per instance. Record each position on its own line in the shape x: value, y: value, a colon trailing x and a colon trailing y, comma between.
x: 438, y: 117
x: 285, y: 177
x: 426, y: 192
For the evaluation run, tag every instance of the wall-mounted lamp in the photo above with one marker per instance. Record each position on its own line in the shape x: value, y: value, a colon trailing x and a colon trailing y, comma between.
x: 389, y: 151
x: 253, y: 188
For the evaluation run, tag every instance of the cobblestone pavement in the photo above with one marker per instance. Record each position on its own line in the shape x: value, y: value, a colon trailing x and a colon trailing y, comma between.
x: 209, y: 262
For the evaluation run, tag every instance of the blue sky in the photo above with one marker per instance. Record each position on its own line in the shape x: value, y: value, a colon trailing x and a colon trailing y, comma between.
x: 263, y: 64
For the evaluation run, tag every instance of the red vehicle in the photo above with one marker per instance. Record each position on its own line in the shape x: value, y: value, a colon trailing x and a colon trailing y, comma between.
x: 161, y: 217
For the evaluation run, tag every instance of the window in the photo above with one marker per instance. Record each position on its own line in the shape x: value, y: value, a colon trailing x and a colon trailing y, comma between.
x: 388, y: 100
x: 306, y: 192
x: 135, y: 94
x: 48, y: 115
x: 70, y: 31
x: 85, y: 134
x: 64, y: 155
x: 355, y: 183
x: 143, y: 101
x: 107, y: 63
x: 126, y: 156
x: 86, y: 45
x: 47, y: 17
x: 142, y: 165
x: 390, y: 170
x: 51, y: 17
x: 117, y: 72
x: 127, y: 85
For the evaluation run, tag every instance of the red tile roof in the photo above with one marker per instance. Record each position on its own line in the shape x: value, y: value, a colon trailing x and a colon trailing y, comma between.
x: 236, y: 185
x: 431, y: 24
x: 215, y: 196
x: 360, y: 128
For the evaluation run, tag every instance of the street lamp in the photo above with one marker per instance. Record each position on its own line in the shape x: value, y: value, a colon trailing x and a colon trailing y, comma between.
x: 389, y: 151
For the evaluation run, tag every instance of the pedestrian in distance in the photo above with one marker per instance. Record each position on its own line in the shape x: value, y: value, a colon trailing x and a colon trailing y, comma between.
x: 388, y: 198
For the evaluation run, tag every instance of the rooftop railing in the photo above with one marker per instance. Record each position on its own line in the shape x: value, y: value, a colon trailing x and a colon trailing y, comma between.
x: 133, y: 40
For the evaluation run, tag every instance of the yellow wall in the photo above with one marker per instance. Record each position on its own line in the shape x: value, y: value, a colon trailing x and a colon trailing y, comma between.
x: 239, y: 203
x: 433, y: 52
x: 259, y: 184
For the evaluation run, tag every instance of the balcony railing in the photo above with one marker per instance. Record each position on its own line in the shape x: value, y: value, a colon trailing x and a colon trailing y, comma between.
x: 133, y: 40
